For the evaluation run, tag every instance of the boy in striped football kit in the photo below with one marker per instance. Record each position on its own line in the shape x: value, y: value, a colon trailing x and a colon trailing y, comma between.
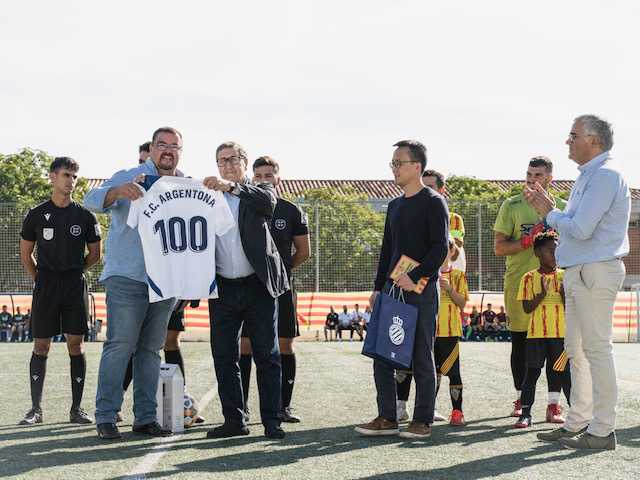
x: 454, y: 294
x: 542, y: 295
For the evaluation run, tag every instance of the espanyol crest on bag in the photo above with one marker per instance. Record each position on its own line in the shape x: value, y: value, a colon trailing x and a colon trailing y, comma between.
x: 396, y: 332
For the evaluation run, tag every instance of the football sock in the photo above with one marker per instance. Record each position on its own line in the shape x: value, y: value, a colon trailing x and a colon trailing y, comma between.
x: 245, y: 375
x: 37, y: 370
x: 554, y: 397
x: 175, y: 357
x: 404, y: 388
x: 455, y: 391
x: 78, y: 373
x: 288, y: 377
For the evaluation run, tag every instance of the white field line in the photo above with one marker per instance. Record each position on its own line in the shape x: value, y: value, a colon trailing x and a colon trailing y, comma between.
x: 150, y: 460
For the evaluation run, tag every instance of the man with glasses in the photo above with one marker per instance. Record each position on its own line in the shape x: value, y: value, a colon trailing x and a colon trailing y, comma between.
x: 251, y: 276
x: 134, y: 325
x: 593, y: 239
x: 417, y: 225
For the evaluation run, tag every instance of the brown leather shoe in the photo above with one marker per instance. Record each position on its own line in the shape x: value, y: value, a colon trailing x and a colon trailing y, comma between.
x: 378, y: 427
x: 416, y: 430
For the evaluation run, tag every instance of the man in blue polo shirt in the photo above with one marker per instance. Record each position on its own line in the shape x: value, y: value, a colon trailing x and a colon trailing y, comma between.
x: 134, y: 326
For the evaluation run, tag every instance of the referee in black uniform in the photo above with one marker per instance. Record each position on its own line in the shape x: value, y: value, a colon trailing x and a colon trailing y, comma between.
x: 63, y: 230
x: 290, y: 231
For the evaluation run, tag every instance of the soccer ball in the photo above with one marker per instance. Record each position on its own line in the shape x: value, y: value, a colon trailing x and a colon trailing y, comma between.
x: 190, y: 410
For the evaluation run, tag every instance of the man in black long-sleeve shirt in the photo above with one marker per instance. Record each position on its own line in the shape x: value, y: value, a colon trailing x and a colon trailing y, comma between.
x: 417, y: 226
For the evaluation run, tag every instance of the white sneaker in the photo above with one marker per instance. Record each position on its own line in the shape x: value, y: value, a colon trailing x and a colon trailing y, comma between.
x: 437, y: 417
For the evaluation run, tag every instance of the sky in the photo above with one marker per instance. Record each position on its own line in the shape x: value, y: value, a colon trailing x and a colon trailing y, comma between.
x: 325, y: 87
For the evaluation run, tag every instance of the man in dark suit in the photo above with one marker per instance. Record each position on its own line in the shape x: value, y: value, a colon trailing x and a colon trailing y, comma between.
x: 250, y: 276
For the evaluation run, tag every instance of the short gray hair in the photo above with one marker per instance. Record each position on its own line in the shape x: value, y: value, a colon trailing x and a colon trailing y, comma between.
x: 242, y: 153
x: 598, y: 127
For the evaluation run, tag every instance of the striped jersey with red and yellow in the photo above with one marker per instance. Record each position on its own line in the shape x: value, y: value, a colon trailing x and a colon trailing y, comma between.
x: 547, y: 320
x: 449, y: 315
x: 456, y: 225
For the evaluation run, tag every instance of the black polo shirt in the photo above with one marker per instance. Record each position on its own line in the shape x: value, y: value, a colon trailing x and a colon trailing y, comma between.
x: 288, y: 221
x: 61, y: 235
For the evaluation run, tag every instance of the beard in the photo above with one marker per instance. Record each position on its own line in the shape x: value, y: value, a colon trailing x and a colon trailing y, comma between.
x: 167, y: 161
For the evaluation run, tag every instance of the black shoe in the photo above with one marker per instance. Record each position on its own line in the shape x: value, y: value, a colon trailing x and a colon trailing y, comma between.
x: 199, y: 419
x: 32, y: 417
x: 274, y: 432
x: 226, y: 431
x: 78, y: 415
x: 287, y: 416
x: 108, y: 431
x: 152, y: 429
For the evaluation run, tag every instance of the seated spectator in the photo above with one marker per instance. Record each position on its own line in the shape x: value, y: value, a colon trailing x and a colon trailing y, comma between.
x: 19, y: 322
x: 503, y: 332
x: 366, y: 315
x: 6, y: 324
x: 475, y: 325
x: 489, y: 323
x: 330, y: 324
x: 357, y: 321
x: 27, y: 326
x: 345, y: 323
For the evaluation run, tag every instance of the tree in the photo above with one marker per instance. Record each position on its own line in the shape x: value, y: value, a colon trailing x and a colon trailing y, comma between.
x: 347, y: 232
x: 465, y: 189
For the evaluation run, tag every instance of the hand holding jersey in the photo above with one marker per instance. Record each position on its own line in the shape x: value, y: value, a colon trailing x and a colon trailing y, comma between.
x: 178, y: 220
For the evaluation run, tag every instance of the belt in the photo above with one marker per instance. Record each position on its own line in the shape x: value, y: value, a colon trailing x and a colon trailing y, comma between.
x: 237, y: 281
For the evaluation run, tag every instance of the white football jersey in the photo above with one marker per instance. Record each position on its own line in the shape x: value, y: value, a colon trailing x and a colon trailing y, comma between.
x: 178, y: 220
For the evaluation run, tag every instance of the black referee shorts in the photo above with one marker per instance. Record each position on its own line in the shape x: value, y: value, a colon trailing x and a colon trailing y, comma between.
x: 59, y: 305
x: 550, y: 350
x: 446, y: 351
x: 288, y: 325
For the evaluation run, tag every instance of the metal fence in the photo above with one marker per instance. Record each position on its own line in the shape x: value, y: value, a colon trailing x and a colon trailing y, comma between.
x: 345, y: 246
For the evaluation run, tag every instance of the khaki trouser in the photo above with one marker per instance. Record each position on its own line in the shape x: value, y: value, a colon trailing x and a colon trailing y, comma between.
x: 591, y: 291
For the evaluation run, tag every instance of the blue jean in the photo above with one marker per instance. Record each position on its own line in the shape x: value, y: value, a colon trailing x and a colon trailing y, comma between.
x: 423, y: 363
x: 135, y: 328
x: 240, y: 301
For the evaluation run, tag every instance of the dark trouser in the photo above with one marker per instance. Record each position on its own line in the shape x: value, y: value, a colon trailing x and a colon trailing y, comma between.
x: 518, y: 358
x: 245, y: 300
x: 424, y: 368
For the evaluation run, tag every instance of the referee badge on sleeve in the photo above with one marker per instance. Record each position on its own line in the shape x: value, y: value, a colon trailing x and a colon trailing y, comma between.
x: 47, y: 233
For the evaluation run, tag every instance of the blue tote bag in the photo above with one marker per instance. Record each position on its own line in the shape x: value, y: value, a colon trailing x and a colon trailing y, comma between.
x: 391, y: 331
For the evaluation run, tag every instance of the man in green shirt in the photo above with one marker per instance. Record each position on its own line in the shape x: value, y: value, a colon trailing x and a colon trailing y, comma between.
x: 516, y: 226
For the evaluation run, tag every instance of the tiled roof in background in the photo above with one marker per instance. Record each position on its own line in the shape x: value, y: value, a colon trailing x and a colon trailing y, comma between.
x: 380, y: 189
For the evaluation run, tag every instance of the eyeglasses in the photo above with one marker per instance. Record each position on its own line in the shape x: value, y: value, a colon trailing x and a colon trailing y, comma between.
x: 399, y: 163
x: 163, y: 146
x: 233, y: 161
x: 573, y: 136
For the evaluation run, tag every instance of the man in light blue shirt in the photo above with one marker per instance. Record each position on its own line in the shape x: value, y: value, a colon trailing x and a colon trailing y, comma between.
x: 593, y: 239
x: 134, y: 326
